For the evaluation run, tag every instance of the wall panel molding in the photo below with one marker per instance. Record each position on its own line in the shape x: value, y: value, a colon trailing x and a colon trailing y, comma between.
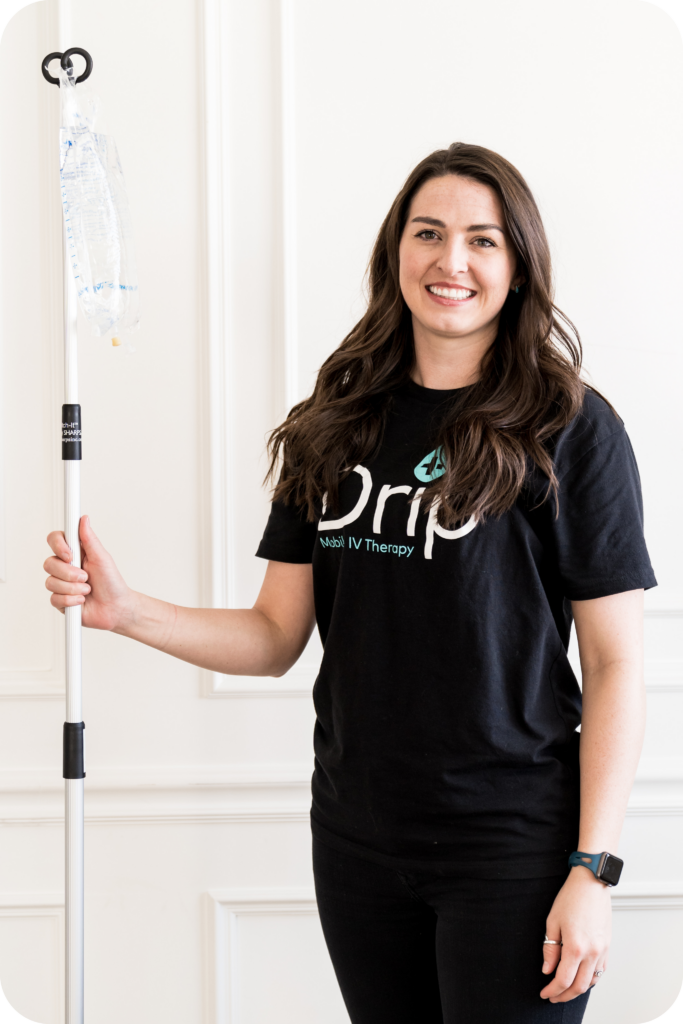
x: 652, y: 806
x: 660, y: 677
x: 36, y: 683
x: 237, y: 793
x: 664, y: 676
x: 33, y: 903
x: 218, y: 373
x: 189, y: 794
x: 221, y: 427
x: 41, y: 904
x: 648, y: 895
x: 298, y: 682
x: 290, y: 341
x: 224, y: 907
x: 664, y: 601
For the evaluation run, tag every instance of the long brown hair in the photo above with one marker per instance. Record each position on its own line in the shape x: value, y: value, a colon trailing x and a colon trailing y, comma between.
x: 529, y: 387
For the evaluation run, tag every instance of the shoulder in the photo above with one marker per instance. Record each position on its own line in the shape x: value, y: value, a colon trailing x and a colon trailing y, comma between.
x: 597, y: 416
x: 594, y: 425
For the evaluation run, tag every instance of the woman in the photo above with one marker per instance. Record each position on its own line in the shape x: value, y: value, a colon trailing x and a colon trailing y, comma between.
x: 449, y: 499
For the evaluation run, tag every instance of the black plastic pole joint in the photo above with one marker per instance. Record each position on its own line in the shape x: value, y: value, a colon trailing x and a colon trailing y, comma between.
x: 73, y: 760
x: 71, y: 433
x: 67, y: 64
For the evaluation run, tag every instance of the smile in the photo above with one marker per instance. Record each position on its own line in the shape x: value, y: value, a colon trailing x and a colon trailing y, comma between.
x: 454, y: 294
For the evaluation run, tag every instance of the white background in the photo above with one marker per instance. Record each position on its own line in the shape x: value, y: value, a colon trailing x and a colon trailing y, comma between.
x: 262, y: 144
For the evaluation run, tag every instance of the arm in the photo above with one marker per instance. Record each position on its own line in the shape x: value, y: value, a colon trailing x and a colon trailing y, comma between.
x: 260, y: 641
x: 610, y: 635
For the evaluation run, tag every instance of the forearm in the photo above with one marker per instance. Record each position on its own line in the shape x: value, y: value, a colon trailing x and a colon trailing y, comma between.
x: 612, y: 730
x: 232, y: 641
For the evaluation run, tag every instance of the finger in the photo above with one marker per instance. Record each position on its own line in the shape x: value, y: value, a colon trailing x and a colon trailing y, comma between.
x: 56, y: 567
x: 56, y: 586
x: 572, y: 978
x: 57, y: 542
x: 595, y: 980
x: 581, y: 983
x: 62, y: 601
x: 551, y: 957
x: 564, y: 976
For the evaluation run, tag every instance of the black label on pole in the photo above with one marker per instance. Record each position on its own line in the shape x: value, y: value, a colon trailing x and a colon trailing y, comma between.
x: 71, y: 433
x: 74, y: 767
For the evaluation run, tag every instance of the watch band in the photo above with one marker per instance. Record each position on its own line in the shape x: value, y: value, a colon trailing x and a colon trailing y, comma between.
x: 578, y: 858
x: 605, y: 866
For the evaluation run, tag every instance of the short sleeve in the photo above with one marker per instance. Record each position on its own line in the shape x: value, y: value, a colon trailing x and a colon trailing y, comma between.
x: 287, y: 536
x: 598, y: 534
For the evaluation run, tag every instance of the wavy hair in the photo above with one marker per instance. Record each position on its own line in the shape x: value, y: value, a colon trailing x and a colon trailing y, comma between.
x: 529, y: 386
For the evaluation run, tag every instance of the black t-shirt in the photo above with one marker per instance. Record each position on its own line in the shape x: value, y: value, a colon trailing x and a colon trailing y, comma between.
x: 447, y: 710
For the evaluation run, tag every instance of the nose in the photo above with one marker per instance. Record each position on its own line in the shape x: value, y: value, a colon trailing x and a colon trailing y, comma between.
x: 453, y: 258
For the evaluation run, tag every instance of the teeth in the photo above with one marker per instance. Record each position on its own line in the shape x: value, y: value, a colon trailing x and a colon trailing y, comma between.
x: 450, y: 293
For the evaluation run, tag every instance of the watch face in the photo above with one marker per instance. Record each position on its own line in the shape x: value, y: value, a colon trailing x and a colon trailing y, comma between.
x: 611, y: 869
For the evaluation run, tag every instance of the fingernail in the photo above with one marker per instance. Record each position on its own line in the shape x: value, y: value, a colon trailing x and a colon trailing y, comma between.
x: 546, y: 968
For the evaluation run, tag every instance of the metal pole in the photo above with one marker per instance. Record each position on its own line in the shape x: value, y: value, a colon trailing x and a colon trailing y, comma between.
x: 73, y: 732
x: 73, y: 728
x: 73, y: 760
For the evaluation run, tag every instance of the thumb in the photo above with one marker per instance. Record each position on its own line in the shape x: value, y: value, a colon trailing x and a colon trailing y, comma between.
x: 90, y: 542
x: 551, y: 957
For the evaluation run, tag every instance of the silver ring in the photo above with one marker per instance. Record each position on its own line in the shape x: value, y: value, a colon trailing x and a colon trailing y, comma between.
x: 598, y: 974
x: 551, y: 942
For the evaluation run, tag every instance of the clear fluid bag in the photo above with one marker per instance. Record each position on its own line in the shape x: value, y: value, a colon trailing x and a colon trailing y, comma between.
x: 97, y: 222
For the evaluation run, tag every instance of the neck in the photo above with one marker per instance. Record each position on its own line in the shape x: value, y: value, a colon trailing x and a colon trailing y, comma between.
x: 443, y: 363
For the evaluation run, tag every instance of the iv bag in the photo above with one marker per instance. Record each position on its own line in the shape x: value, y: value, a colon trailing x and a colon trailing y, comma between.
x: 97, y: 223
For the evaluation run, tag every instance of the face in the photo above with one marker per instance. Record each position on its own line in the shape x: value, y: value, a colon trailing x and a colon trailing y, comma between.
x: 457, y: 263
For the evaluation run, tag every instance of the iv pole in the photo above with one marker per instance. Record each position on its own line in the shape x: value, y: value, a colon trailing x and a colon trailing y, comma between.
x: 73, y: 762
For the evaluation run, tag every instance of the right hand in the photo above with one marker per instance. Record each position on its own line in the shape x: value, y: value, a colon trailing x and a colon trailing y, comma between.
x: 98, y: 586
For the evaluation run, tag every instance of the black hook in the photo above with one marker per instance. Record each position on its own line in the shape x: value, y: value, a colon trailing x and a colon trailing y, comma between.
x: 67, y: 64
x: 46, y: 74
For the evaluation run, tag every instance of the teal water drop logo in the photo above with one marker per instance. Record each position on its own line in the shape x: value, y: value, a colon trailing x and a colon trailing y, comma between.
x: 431, y: 467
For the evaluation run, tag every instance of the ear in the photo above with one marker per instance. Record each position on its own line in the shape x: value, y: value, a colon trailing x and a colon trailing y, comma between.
x: 519, y: 277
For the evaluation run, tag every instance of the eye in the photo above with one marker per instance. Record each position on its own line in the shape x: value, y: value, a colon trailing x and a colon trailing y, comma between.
x: 427, y: 231
x: 487, y: 242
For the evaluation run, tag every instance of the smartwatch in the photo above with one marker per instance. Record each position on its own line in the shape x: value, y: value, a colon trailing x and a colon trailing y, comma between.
x: 605, y: 866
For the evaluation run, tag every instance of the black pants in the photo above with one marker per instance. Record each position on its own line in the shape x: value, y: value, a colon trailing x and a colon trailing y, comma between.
x: 429, y: 947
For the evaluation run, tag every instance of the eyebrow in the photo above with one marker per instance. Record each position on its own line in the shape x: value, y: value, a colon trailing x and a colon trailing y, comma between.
x: 428, y: 220
x: 440, y: 224
x: 485, y: 227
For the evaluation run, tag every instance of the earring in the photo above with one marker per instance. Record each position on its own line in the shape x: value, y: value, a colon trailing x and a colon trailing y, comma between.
x: 517, y: 290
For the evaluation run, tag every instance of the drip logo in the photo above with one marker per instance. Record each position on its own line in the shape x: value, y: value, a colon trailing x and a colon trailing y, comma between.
x: 433, y: 528
x: 431, y: 467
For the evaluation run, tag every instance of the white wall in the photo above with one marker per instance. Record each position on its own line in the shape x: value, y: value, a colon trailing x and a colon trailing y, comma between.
x: 262, y: 144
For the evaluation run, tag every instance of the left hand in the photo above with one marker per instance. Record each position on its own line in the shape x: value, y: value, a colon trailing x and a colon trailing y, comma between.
x: 581, y: 917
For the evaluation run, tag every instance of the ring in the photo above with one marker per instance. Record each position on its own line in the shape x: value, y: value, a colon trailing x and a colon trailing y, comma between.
x: 598, y: 974
x: 551, y: 942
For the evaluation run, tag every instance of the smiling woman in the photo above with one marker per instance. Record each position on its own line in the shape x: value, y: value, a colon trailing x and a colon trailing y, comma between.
x: 449, y: 797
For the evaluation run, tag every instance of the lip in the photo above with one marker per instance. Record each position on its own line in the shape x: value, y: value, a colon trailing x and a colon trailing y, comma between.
x: 441, y: 301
